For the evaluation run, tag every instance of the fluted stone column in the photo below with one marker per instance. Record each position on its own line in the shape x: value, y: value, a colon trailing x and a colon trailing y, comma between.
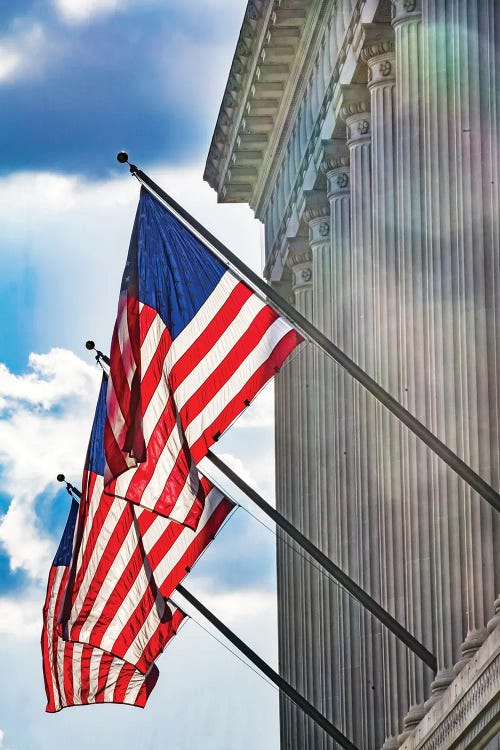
x: 356, y: 113
x: 462, y: 246
x: 378, y: 52
x: 331, y: 313
x: 304, y: 491
x: 288, y: 592
x: 316, y: 216
x: 413, y: 337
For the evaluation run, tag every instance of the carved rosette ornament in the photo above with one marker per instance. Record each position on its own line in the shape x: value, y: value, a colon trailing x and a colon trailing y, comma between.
x: 317, y: 215
x: 379, y: 54
x: 335, y: 166
x: 358, y: 121
x: 406, y: 10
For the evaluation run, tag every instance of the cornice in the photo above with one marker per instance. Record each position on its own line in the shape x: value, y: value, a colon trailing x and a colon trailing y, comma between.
x: 249, y: 158
x: 236, y: 129
x: 288, y: 115
x: 350, y: 46
x: 255, y: 18
x: 270, y: 35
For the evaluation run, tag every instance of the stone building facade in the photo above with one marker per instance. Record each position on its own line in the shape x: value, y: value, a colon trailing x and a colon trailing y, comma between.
x: 364, y: 134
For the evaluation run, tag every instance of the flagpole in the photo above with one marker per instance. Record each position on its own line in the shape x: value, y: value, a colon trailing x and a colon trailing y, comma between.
x: 337, y: 573
x: 70, y: 489
x: 269, y: 672
x: 314, y: 334
x: 279, y: 681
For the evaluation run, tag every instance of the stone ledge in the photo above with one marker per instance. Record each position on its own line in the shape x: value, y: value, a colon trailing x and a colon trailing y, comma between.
x: 468, y: 714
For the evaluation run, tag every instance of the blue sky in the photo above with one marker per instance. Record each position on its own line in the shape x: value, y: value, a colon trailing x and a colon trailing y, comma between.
x: 79, y: 80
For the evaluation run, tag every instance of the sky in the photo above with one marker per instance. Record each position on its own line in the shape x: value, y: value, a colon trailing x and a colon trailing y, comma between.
x: 79, y: 81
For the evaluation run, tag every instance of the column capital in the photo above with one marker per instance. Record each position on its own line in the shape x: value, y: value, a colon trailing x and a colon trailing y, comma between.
x: 315, y: 206
x: 317, y: 214
x: 406, y: 11
x: 379, y: 53
x: 335, y: 165
x: 299, y: 261
x: 355, y: 110
x: 335, y: 155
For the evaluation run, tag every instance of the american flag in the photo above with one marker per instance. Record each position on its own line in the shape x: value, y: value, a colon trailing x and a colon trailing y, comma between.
x: 127, y: 562
x: 77, y: 674
x: 192, y: 346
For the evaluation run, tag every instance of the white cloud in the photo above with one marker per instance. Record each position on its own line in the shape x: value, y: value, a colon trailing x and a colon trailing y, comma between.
x: 2, y: 738
x: 20, y: 616
x: 76, y: 240
x: 260, y: 413
x: 75, y: 244
x: 83, y: 11
x: 55, y: 376
x: 78, y: 11
x: 192, y: 82
x: 23, y: 49
x: 239, y: 610
x: 37, y: 442
x: 237, y: 465
x: 195, y: 671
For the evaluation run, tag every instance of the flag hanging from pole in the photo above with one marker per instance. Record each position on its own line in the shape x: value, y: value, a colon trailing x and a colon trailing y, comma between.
x: 191, y: 348
x: 77, y: 674
x: 127, y: 562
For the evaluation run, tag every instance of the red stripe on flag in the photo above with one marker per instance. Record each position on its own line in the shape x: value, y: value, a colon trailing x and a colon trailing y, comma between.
x: 68, y: 673
x: 85, y: 674
x: 146, y: 317
x: 210, y: 335
x: 234, y: 408
x: 198, y: 545
x: 104, y: 669
x: 228, y: 366
x: 149, y: 684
